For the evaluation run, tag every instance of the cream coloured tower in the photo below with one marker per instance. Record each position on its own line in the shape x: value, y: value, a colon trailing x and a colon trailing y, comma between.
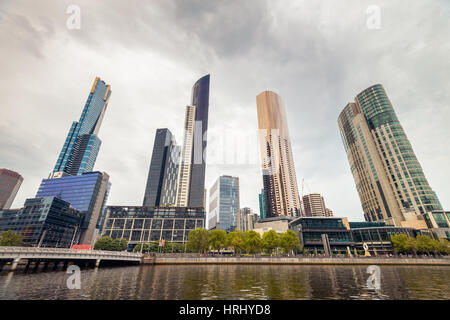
x: 279, y: 179
x: 184, y: 174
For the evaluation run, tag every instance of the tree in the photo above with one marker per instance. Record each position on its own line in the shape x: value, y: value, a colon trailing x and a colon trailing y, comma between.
x: 252, y: 241
x: 289, y: 241
x: 198, y: 240
x: 10, y: 239
x: 108, y: 244
x: 104, y: 243
x: 399, y: 242
x: 425, y: 244
x: 235, y: 240
x: 270, y: 241
x: 443, y: 246
x: 217, y: 239
x: 411, y: 245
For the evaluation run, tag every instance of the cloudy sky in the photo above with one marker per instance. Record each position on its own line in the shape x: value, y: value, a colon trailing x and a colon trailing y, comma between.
x: 317, y: 55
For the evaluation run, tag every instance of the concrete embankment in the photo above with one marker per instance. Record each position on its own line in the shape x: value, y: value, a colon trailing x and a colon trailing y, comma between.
x: 160, y: 260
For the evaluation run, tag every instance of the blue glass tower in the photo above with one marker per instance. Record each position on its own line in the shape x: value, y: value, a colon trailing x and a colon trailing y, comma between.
x: 87, y: 193
x: 82, y: 144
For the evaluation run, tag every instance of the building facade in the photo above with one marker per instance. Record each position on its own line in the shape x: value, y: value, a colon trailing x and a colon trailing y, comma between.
x: 262, y: 205
x: 388, y: 177
x: 247, y: 219
x: 10, y: 182
x: 185, y: 167
x: 44, y: 222
x: 161, y: 188
x: 191, y: 185
x: 279, y: 179
x: 438, y: 222
x: 82, y: 144
x: 87, y: 193
x: 224, y: 204
x: 314, y: 206
x: 149, y: 224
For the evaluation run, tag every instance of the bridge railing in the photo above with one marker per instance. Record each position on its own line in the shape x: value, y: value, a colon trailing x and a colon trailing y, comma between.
x: 25, y: 250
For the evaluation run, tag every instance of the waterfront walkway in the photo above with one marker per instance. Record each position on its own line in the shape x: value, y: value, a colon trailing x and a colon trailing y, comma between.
x: 15, y: 255
x: 297, y: 260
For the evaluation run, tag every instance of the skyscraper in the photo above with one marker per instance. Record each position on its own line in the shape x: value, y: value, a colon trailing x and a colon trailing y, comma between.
x: 10, y: 182
x: 162, y: 179
x: 191, y: 185
x: 389, y: 179
x: 314, y: 206
x: 279, y: 179
x: 82, y: 144
x: 224, y: 204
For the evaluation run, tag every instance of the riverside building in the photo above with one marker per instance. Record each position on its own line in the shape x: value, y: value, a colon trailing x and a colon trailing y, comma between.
x: 389, y: 179
x: 279, y: 179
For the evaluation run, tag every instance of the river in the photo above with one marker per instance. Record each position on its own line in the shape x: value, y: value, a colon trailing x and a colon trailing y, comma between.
x: 230, y: 282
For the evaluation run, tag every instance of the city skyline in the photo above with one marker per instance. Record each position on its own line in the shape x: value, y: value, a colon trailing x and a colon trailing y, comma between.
x: 313, y: 96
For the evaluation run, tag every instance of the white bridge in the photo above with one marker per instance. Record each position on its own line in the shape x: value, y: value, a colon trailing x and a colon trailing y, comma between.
x: 56, y: 255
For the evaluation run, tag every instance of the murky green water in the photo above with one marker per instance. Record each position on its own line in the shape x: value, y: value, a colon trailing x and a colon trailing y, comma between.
x: 231, y: 282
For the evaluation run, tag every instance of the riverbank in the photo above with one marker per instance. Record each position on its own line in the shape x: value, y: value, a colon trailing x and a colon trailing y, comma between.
x: 161, y: 260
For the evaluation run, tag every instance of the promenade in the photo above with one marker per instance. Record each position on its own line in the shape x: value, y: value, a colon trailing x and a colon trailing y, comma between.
x: 180, y: 259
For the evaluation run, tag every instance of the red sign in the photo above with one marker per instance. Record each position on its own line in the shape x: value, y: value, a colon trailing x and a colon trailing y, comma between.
x: 82, y: 247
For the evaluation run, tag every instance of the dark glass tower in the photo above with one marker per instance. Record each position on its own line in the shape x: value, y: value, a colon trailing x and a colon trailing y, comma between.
x: 82, y: 144
x: 161, y: 189
x: 200, y: 99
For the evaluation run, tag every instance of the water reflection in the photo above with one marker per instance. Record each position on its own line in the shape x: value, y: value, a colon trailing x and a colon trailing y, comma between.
x: 231, y: 282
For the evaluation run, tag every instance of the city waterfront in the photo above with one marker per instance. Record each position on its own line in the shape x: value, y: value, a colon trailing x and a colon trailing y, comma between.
x: 198, y: 282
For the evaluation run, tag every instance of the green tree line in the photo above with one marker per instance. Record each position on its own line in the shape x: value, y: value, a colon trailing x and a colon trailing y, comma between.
x: 419, y: 245
x: 249, y: 242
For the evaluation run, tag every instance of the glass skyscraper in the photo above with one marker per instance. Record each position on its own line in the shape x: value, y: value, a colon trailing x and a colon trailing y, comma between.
x: 161, y: 189
x: 389, y: 179
x: 82, y: 144
x: 262, y: 205
x: 87, y: 193
x: 224, y: 204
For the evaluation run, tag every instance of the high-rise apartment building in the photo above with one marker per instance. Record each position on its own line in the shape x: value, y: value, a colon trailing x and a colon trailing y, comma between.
x: 161, y: 189
x: 82, y: 144
x: 191, y: 181
x: 185, y: 167
x: 10, y: 182
x: 247, y: 219
x: 314, y: 206
x: 224, y: 204
x: 389, y: 179
x: 279, y: 179
x: 87, y: 193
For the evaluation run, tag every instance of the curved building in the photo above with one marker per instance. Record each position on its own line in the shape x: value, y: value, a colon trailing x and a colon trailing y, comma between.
x: 279, y: 179
x: 389, y: 179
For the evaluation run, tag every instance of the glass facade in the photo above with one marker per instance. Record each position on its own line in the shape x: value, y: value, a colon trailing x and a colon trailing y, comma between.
x: 80, y: 191
x: 388, y: 176
x: 224, y: 204
x: 148, y: 224
x: 162, y: 178
x: 47, y: 220
x: 262, y: 205
x: 200, y: 99
x: 81, y: 147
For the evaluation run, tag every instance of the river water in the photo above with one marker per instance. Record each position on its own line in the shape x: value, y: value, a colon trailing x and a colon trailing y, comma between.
x: 230, y: 282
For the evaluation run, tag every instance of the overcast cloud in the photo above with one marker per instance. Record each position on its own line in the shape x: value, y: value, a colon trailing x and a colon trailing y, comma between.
x: 317, y: 55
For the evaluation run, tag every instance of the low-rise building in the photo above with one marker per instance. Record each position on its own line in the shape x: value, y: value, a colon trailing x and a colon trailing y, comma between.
x: 138, y: 224
x: 45, y: 222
